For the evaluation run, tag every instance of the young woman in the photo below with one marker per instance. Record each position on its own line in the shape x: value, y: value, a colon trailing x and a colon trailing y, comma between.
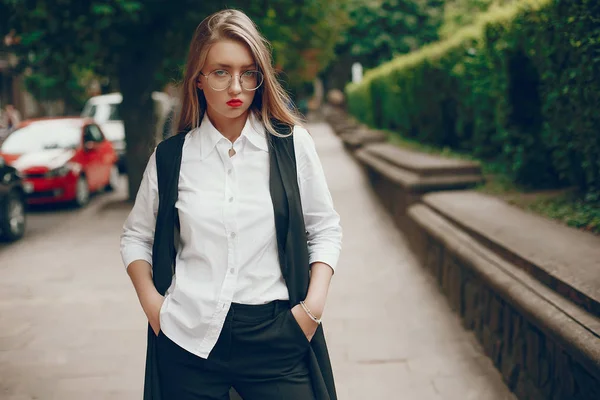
x: 235, y: 297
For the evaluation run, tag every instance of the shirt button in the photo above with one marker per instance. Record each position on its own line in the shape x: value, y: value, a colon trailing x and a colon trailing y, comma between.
x: 232, y: 235
x: 231, y: 199
x: 229, y: 171
x: 232, y: 270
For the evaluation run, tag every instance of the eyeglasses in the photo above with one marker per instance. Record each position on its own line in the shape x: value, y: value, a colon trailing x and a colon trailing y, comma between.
x: 220, y: 79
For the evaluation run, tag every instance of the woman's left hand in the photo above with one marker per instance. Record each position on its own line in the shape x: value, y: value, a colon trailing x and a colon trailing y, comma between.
x: 309, y: 327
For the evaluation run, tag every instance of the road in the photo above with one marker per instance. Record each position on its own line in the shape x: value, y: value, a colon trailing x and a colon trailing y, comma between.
x: 42, y: 220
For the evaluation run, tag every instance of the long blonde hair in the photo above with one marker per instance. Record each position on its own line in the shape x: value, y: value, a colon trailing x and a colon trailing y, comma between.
x: 270, y: 101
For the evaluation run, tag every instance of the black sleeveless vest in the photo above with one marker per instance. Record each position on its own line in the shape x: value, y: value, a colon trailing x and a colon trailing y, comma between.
x: 291, y: 241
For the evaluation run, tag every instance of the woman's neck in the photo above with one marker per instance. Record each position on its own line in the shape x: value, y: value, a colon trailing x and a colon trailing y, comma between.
x: 231, y: 128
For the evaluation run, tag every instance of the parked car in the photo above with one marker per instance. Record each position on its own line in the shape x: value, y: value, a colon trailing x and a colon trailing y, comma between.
x: 12, y: 203
x: 61, y: 159
x: 104, y: 110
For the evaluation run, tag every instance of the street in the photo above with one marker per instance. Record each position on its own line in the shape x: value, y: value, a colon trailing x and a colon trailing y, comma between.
x: 43, y: 220
x: 72, y: 327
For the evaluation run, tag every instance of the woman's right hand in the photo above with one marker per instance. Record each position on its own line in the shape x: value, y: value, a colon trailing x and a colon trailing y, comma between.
x: 152, y: 305
x: 140, y: 272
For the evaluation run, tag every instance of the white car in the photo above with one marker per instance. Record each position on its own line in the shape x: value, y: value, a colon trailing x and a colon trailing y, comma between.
x: 104, y: 110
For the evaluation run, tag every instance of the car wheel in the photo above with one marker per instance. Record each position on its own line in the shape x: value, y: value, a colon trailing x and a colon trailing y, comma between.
x: 82, y: 192
x: 113, y: 180
x: 13, y: 219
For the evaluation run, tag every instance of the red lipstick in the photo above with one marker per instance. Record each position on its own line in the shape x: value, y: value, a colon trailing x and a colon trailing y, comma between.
x: 235, y: 103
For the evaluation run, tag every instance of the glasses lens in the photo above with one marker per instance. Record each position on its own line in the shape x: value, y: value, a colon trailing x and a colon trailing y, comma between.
x: 251, y: 80
x: 219, y: 80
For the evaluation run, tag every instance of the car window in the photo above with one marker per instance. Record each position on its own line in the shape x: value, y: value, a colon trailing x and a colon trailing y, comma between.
x: 43, y: 136
x: 89, y: 111
x: 102, y: 112
x: 113, y: 114
x: 93, y: 134
x: 99, y: 112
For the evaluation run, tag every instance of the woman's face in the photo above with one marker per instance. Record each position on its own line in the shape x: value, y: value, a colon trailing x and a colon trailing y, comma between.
x: 235, y: 58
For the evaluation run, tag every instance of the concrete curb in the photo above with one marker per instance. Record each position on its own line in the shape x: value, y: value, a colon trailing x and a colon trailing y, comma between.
x: 565, y: 259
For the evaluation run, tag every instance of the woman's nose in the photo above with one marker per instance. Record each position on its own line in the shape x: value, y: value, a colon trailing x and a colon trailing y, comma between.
x: 236, y: 86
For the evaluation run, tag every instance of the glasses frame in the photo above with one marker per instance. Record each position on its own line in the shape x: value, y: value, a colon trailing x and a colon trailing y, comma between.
x: 231, y: 79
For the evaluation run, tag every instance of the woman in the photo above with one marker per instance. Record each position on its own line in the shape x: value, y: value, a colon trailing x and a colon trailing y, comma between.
x: 235, y: 297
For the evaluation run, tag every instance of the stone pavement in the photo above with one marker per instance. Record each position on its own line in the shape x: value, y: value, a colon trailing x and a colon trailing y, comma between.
x: 71, y: 327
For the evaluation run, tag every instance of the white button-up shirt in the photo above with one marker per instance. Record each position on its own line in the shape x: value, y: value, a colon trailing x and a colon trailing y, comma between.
x: 227, y: 247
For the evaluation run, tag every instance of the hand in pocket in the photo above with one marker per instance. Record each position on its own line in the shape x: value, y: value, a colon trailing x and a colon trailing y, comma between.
x: 152, y: 306
x: 309, y: 327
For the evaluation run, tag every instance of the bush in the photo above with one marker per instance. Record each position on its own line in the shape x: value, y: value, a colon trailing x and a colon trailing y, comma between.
x: 520, y: 88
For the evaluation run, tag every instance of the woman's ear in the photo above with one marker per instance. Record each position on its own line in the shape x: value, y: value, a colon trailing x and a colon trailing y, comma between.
x: 199, y: 84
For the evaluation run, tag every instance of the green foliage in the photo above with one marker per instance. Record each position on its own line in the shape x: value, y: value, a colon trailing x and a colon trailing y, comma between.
x: 570, y: 210
x: 461, y: 13
x: 519, y: 88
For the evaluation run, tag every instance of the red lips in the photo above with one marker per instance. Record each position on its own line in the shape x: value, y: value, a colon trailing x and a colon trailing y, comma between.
x: 235, y: 103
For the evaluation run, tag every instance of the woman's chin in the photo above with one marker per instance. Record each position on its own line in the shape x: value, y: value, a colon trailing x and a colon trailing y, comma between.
x: 229, y: 113
x: 234, y: 112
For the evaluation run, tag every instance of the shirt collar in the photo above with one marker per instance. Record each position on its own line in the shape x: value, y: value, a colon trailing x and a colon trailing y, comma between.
x: 253, y: 131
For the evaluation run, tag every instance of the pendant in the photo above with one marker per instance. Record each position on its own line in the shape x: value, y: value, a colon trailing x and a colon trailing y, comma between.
x: 231, y: 152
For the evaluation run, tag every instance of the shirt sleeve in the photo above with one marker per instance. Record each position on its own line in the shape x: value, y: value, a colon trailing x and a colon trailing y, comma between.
x: 137, y: 237
x: 321, y: 220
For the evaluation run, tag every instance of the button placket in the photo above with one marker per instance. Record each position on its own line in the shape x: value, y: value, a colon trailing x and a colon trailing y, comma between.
x: 229, y: 196
x: 231, y: 225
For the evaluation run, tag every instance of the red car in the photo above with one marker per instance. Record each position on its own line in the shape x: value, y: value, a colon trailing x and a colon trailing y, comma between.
x: 61, y: 159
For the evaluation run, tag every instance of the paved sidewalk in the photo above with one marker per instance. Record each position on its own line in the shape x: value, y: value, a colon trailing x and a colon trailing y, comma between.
x: 71, y: 327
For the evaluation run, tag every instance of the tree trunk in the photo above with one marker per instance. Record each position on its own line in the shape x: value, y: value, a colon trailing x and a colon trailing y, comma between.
x: 136, y: 81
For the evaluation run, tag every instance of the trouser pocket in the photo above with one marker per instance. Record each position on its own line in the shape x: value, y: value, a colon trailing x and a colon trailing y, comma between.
x: 296, y: 328
x: 268, y: 347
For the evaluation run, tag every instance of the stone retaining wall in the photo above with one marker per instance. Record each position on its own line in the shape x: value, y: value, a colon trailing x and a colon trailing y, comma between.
x: 545, y: 346
x: 528, y: 288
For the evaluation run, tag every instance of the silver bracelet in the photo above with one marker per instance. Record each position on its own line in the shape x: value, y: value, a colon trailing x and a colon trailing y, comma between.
x: 310, y: 314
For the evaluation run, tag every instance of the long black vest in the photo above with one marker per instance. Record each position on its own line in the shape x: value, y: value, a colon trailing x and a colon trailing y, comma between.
x: 291, y: 240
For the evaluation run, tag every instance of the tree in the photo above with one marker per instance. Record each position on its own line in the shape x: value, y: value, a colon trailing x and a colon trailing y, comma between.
x: 381, y: 29
x: 140, y: 45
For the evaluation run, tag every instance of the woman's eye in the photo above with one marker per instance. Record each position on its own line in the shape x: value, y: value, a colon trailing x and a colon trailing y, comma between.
x: 220, y: 72
x: 249, y: 74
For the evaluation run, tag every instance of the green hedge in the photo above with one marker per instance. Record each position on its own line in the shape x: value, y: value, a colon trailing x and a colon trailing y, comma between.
x: 520, y: 88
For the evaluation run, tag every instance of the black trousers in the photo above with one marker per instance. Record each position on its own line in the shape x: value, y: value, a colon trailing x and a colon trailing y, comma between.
x: 261, y: 352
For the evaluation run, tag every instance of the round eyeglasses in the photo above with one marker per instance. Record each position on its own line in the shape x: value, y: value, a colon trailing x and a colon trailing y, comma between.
x: 220, y: 79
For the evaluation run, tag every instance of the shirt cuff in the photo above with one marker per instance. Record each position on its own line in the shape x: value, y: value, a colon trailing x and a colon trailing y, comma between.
x: 328, y: 258
x: 135, y: 252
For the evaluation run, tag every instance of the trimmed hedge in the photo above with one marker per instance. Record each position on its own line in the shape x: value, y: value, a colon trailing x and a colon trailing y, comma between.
x: 521, y: 88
